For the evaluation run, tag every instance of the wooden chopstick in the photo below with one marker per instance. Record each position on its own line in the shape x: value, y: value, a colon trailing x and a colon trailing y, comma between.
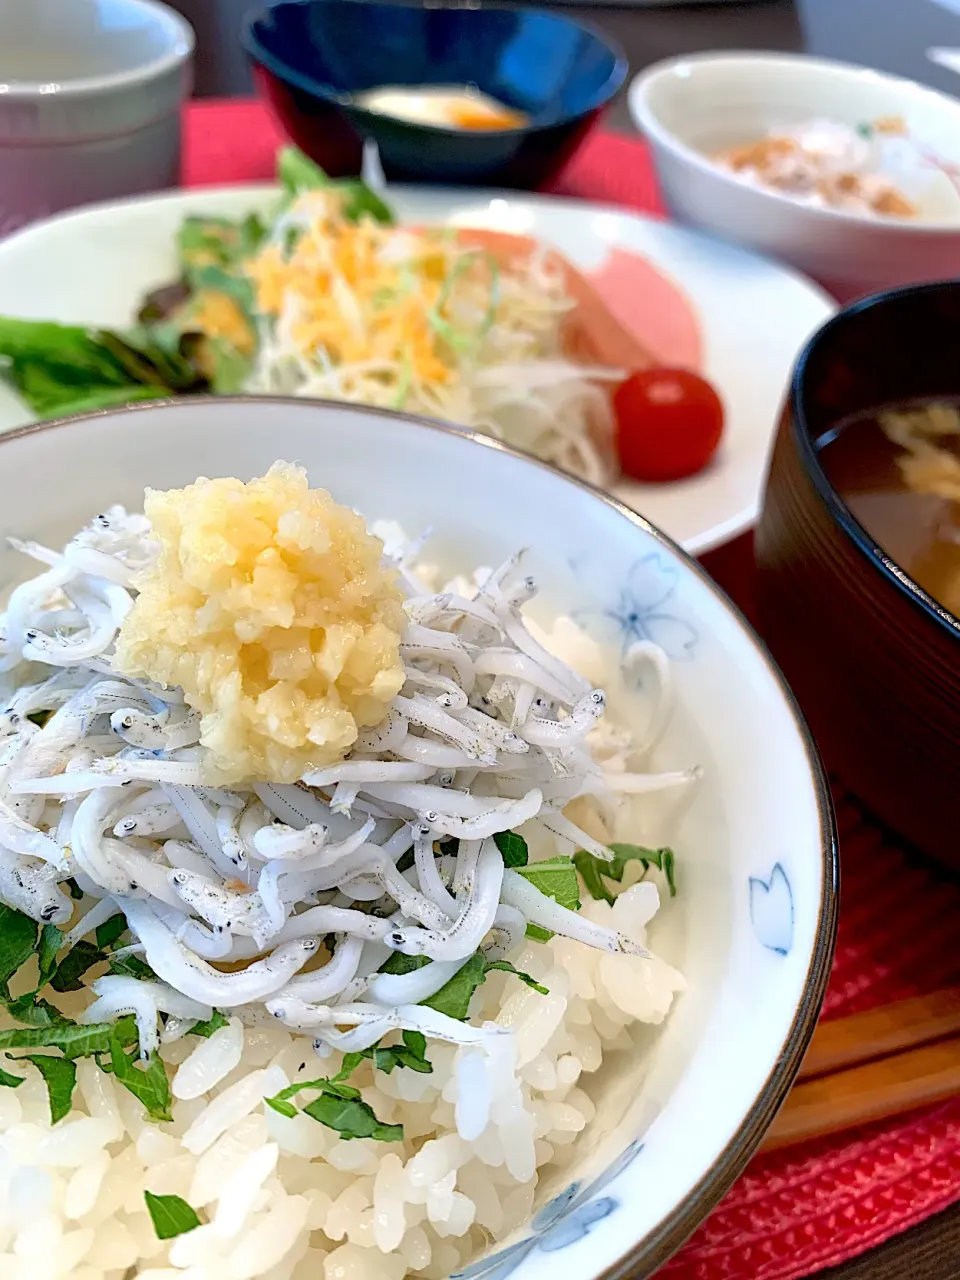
x: 890, y: 1028
x: 873, y: 1065
x: 862, y: 1095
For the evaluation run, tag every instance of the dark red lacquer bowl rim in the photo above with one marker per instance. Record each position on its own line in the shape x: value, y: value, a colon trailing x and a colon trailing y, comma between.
x: 803, y: 437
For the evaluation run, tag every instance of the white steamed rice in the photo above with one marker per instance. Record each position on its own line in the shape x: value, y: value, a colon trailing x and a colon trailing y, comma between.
x: 288, y: 1198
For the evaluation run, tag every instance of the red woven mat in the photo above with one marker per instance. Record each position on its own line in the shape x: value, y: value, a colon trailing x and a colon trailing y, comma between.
x: 236, y: 141
x: 794, y: 1212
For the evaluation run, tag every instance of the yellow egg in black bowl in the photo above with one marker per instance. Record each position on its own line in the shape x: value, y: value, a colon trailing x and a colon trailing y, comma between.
x: 471, y: 96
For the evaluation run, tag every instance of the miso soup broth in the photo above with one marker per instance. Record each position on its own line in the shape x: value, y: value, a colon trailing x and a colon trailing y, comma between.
x: 898, y: 470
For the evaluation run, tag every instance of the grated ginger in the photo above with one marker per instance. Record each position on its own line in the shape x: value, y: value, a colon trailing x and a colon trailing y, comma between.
x: 269, y: 607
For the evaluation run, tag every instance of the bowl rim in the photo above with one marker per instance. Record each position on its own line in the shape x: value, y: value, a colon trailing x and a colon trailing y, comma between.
x: 666, y: 1238
x: 862, y: 540
x: 181, y: 46
x: 646, y: 119
x: 258, y: 53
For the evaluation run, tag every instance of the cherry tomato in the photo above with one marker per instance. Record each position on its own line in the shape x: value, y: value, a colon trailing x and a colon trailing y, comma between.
x: 669, y: 423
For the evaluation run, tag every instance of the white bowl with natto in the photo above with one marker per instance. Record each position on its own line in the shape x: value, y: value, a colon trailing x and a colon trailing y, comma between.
x: 692, y: 107
x: 90, y: 99
x: 752, y: 926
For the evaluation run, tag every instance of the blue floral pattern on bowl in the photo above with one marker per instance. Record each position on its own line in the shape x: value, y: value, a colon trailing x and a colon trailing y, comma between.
x: 639, y: 612
x: 565, y: 1220
x: 771, y: 910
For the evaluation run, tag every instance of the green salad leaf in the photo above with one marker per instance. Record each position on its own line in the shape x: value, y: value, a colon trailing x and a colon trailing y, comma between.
x: 171, y: 1216
x: 230, y: 367
x: 298, y: 173
x: 62, y: 369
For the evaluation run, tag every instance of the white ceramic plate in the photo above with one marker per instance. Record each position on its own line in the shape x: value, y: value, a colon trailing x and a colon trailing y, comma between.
x: 93, y: 266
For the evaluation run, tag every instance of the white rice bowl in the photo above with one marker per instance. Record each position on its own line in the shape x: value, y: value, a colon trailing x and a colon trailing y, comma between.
x: 281, y: 1197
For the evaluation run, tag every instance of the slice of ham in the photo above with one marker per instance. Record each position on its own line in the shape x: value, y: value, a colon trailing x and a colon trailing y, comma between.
x: 593, y: 334
x: 653, y: 308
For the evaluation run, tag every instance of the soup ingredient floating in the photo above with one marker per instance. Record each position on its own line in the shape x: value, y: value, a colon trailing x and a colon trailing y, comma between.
x: 447, y: 106
x: 877, y: 169
x: 898, y: 469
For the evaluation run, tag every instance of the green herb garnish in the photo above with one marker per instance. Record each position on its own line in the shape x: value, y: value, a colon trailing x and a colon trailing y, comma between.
x: 454, y: 998
x: 131, y: 966
x: 209, y: 1025
x: 506, y: 967
x: 18, y: 942
x: 51, y: 940
x: 60, y: 1077
x: 149, y: 1084
x: 410, y: 1053
x: 171, y: 1216
x: 339, y: 1107
x: 555, y: 878
x: 513, y: 847
x: 399, y: 964
x: 111, y: 931
x: 72, y: 1040
x: 74, y: 965
x: 593, y: 870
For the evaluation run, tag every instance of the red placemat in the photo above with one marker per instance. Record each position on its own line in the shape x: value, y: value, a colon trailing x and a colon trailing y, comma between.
x: 797, y: 1211
x: 236, y: 141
